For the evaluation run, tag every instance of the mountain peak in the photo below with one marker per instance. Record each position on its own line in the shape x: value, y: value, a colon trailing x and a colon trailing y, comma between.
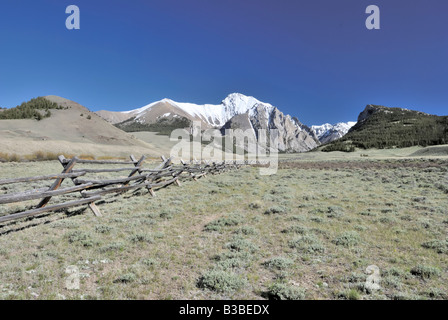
x: 239, y: 98
x: 237, y: 103
x: 167, y: 100
x: 328, y: 132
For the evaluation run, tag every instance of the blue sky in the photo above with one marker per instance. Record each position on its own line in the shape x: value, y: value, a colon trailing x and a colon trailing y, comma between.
x: 312, y: 59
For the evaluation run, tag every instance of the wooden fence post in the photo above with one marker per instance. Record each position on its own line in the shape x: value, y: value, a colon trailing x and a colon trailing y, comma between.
x: 67, y: 167
x: 138, y: 164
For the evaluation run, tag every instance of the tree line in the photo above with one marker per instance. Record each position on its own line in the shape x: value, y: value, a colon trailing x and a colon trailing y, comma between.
x: 37, y: 108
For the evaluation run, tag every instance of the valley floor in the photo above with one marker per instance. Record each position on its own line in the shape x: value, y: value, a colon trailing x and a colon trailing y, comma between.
x: 308, y: 232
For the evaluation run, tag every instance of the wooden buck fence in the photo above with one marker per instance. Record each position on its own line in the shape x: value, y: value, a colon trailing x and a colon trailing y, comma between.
x: 93, y: 189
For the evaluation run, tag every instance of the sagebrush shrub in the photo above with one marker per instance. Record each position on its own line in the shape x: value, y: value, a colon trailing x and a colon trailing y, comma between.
x: 282, y: 291
x: 230, y: 220
x: 425, y: 272
x: 278, y: 263
x: 347, y: 239
x: 141, y: 237
x: 246, y: 230
x: 440, y: 246
x: 334, y: 212
x: 80, y: 237
x: 221, y: 281
x: 240, y: 244
x: 295, y: 229
x: 276, y: 210
x: 126, y: 278
x: 103, y: 229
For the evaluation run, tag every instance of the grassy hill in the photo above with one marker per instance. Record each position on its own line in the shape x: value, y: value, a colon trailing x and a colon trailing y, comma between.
x: 382, y: 127
x: 70, y: 129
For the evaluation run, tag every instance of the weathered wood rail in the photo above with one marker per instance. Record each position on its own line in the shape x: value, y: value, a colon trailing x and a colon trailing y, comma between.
x: 91, y: 189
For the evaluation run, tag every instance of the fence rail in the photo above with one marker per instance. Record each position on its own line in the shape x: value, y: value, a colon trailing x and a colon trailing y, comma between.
x: 92, y: 189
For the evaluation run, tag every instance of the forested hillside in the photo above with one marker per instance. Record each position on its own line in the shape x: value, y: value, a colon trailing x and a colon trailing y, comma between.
x: 382, y: 127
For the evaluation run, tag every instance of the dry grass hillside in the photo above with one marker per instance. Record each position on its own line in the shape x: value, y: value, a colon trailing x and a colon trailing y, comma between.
x: 114, y: 116
x: 73, y: 130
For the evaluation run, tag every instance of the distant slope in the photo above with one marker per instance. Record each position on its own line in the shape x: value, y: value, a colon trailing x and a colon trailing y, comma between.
x: 383, y: 127
x: 72, y: 129
x: 431, y: 151
x: 161, y: 116
x: 74, y: 125
x: 113, y: 116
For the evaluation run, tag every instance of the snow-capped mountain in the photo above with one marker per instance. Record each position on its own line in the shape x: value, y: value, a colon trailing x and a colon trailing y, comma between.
x: 235, y: 111
x: 328, y: 132
x: 210, y: 115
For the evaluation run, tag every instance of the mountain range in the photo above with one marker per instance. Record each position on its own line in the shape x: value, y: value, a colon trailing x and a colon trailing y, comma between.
x: 54, y: 124
x: 236, y: 111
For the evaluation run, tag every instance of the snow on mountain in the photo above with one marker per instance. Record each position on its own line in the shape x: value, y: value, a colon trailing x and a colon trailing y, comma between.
x: 236, y: 111
x: 328, y: 132
x: 213, y: 115
x: 237, y: 103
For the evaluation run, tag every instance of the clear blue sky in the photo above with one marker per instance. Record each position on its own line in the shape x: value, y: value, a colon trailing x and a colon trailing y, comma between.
x: 313, y: 59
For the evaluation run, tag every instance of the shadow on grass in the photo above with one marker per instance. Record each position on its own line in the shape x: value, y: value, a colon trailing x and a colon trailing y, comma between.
x: 20, y: 225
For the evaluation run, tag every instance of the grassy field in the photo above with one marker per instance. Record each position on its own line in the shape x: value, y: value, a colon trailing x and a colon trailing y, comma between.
x: 308, y: 232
